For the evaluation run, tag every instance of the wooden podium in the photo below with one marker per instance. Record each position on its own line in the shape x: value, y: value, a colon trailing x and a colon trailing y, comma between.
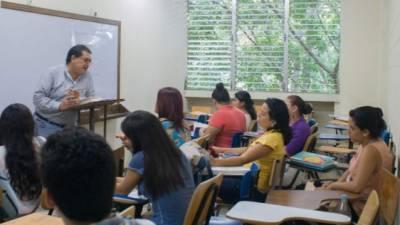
x: 92, y: 105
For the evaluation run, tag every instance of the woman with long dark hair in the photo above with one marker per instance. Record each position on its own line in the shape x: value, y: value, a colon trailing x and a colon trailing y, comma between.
x: 244, y: 102
x: 365, y: 126
x: 224, y: 122
x: 274, y: 118
x: 19, y: 163
x: 300, y: 129
x: 158, y: 167
x: 169, y: 108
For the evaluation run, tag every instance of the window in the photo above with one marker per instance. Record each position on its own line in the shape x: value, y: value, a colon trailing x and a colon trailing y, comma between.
x: 264, y: 45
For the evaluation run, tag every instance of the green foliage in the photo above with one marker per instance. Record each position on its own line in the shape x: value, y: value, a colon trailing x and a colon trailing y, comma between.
x: 258, y: 60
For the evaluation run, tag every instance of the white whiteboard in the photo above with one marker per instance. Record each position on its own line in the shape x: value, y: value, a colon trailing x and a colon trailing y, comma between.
x: 30, y: 43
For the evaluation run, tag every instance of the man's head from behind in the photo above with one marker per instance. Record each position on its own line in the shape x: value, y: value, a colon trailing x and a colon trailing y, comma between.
x: 78, y: 172
x: 79, y: 59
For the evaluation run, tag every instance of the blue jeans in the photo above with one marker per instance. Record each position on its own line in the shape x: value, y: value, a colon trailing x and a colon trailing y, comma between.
x: 44, y: 128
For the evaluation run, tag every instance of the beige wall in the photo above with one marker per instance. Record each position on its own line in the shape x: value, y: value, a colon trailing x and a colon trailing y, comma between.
x: 391, y: 65
x: 360, y: 54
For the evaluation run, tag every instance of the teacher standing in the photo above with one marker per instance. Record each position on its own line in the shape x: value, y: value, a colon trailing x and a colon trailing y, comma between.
x: 60, y: 89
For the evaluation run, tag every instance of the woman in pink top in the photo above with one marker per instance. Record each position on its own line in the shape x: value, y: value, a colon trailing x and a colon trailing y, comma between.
x: 365, y: 126
x: 226, y: 121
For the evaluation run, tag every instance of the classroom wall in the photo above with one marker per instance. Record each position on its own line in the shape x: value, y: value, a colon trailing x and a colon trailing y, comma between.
x: 360, y: 55
x: 391, y: 66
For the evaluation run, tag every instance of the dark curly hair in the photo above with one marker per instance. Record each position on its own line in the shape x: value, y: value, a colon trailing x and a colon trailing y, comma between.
x: 17, y: 132
x: 279, y: 112
x: 78, y: 170
x: 369, y: 118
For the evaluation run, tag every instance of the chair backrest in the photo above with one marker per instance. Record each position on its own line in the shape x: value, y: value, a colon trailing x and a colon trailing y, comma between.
x: 314, y: 128
x: 388, y: 192
x: 119, y: 156
x: 129, y: 212
x: 248, y: 182
x: 311, y: 140
x: 236, y: 140
x: 311, y: 122
x: 202, y: 202
x: 9, y: 199
x: 370, y: 210
x: 203, y: 119
x: 386, y: 136
x: 277, y: 172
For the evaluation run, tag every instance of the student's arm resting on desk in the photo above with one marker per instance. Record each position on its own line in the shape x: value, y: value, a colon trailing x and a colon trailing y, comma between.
x: 236, y: 151
x: 369, y: 162
x: 252, y: 153
x: 126, y: 184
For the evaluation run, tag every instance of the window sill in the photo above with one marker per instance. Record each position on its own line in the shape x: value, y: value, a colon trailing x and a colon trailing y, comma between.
x: 310, y: 97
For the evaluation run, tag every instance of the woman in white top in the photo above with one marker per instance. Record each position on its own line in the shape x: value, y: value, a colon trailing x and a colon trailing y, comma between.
x: 244, y: 102
x: 19, y: 163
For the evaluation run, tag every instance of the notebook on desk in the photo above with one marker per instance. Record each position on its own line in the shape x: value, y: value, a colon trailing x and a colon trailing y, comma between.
x: 313, y: 160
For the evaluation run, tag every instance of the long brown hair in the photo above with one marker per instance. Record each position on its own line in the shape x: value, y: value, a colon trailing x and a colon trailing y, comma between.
x: 170, y: 106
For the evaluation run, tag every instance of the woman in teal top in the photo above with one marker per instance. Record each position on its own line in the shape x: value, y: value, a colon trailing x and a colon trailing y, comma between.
x: 169, y: 108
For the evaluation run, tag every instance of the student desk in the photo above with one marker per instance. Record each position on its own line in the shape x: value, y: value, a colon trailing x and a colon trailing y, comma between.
x: 230, y: 170
x: 269, y: 214
x: 339, y: 129
x: 304, y: 199
x: 35, y: 219
x: 336, y: 150
x: 339, y: 122
x: 336, y: 137
x: 132, y: 199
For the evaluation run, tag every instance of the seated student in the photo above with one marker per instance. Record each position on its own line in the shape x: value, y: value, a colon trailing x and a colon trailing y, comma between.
x: 169, y: 108
x: 244, y: 102
x: 226, y: 121
x: 274, y: 117
x: 365, y: 125
x: 300, y: 129
x: 78, y: 171
x: 158, y: 167
x: 19, y: 162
